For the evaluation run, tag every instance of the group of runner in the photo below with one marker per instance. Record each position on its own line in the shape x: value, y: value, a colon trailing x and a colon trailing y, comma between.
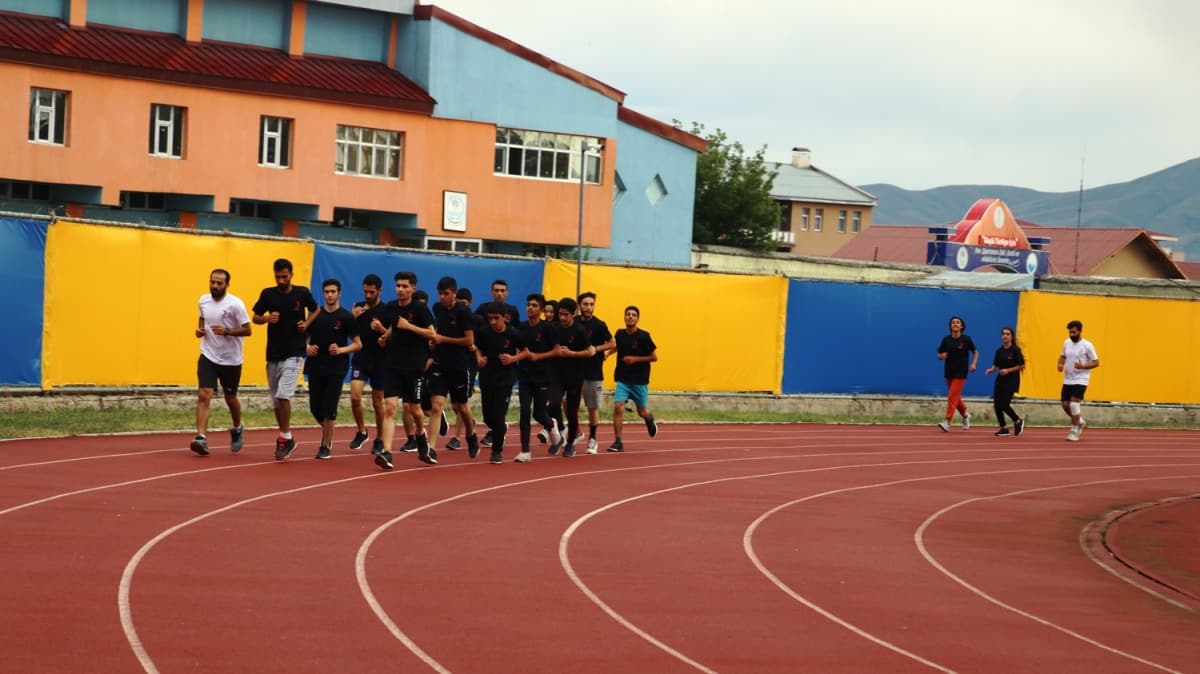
x: 416, y: 356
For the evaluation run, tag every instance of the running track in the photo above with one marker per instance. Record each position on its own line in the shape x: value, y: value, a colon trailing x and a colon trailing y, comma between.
x: 774, y: 548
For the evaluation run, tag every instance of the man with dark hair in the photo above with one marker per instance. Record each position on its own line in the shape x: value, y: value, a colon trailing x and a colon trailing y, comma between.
x: 1076, y: 361
x: 463, y: 296
x: 408, y: 328
x: 593, y: 373
x: 223, y: 325
x: 285, y: 309
x: 537, y: 376
x: 454, y: 346
x: 500, y: 298
x: 635, y: 351
x: 332, y: 337
x: 368, y: 365
x: 573, y: 350
x: 499, y: 349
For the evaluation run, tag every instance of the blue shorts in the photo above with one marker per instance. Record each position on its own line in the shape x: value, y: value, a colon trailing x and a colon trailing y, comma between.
x: 638, y: 393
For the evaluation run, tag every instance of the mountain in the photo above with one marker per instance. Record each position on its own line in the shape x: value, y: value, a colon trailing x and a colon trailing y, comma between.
x: 1167, y: 202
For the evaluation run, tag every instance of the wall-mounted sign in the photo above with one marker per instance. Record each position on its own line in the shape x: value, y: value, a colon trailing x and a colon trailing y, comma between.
x: 454, y: 211
x: 988, y: 236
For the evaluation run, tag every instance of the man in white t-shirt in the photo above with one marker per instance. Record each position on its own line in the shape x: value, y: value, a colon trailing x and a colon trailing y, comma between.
x: 1076, y: 362
x: 223, y: 325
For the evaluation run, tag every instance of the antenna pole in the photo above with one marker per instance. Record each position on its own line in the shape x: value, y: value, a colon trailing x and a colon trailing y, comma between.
x: 1079, y: 214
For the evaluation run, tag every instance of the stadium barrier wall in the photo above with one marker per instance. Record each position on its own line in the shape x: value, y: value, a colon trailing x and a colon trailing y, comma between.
x: 22, y: 272
x: 714, y: 332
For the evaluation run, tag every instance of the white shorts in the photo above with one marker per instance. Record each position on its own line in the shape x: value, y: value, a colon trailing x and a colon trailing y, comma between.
x: 593, y: 393
x: 282, y: 378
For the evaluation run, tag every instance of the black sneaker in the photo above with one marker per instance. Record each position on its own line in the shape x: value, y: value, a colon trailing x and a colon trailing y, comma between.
x: 324, y: 453
x: 497, y: 456
x: 200, y: 445
x: 554, y: 447
x: 384, y: 460
x: 472, y: 446
x: 453, y: 445
x: 410, y: 445
x: 616, y: 446
x: 424, y: 452
x: 1018, y: 426
x: 651, y: 427
x: 235, y: 439
x: 445, y: 424
x: 360, y: 438
x: 284, y: 448
x: 1002, y: 431
x: 487, y: 439
x: 377, y: 446
x: 569, y: 451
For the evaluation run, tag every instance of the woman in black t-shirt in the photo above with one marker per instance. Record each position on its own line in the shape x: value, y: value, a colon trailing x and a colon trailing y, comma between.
x: 1007, y: 364
x: 958, y: 352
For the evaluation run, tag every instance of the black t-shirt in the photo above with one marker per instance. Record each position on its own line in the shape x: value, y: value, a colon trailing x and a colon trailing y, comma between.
x: 575, y: 338
x: 538, y: 338
x: 406, y: 350
x: 598, y: 334
x: 371, y: 354
x: 453, y: 322
x: 491, y: 344
x: 958, y: 355
x: 1004, y: 359
x: 283, y: 339
x: 510, y: 312
x: 330, y: 327
x: 638, y: 344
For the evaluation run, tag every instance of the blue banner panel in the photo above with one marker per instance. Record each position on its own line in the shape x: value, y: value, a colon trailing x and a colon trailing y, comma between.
x: 852, y: 338
x: 22, y: 271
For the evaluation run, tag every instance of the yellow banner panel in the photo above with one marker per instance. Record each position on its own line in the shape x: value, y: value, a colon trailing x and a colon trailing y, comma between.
x: 1146, y: 346
x: 122, y: 303
x: 714, y: 332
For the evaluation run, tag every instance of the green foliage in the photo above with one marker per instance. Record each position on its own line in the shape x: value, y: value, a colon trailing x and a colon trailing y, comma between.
x: 733, y: 195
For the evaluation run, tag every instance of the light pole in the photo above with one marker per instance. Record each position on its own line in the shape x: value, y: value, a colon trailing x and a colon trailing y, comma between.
x: 584, y: 147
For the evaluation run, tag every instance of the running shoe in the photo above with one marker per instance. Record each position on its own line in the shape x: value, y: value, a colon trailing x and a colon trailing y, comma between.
x: 200, y: 445
x: 487, y: 439
x: 324, y: 453
x: 377, y: 446
x: 235, y: 439
x: 543, y: 436
x: 284, y: 448
x: 384, y: 460
x: 944, y: 425
x: 569, y: 451
x: 966, y: 422
x: 453, y: 445
x: 651, y: 426
x: 524, y: 457
x: 445, y: 427
x: 410, y: 445
x: 472, y: 446
x: 1002, y: 431
x: 616, y: 446
x: 592, y: 446
x: 360, y: 438
x: 497, y: 456
x: 1018, y: 426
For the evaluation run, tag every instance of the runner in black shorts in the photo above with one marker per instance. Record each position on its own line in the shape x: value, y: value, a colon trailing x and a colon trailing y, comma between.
x: 368, y: 365
x: 409, y: 329
x: 455, y: 346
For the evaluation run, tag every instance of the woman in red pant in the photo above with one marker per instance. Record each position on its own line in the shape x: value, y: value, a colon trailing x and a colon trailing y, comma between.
x: 958, y: 352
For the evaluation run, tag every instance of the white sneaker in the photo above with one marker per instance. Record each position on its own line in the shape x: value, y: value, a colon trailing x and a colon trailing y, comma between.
x: 1073, y: 434
x: 1082, y: 425
x: 543, y: 436
x: 524, y: 457
x: 592, y: 446
x: 966, y: 422
x: 944, y: 425
x: 555, y: 436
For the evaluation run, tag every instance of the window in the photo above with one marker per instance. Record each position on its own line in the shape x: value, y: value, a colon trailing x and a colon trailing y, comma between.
x: 166, y: 130
x: 48, y: 116
x: 841, y: 222
x: 348, y: 217
x: 20, y: 189
x: 248, y: 208
x: 368, y: 152
x: 819, y: 220
x: 274, y: 142
x: 145, y: 200
x: 453, y: 245
x: 804, y: 213
x: 545, y: 155
x: 856, y: 222
x: 785, y: 216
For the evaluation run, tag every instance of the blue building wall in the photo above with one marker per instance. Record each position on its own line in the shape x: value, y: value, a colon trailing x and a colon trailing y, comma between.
x: 348, y: 32
x: 39, y: 7
x: 163, y: 16
x: 641, y: 231
x: 265, y: 23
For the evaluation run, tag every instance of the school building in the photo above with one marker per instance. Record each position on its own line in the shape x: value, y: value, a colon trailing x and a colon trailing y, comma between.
x: 367, y: 121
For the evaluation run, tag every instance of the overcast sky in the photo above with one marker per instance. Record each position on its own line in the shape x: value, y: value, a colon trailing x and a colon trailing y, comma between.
x: 918, y: 93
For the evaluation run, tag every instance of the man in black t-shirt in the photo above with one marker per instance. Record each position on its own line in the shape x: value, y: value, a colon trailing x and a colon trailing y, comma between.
x: 574, y: 348
x: 407, y: 327
x: 538, y: 379
x: 463, y: 296
x: 368, y: 365
x: 635, y: 351
x: 499, y: 349
x: 332, y: 337
x: 593, y: 374
x: 285, y: 309
x: 453, y: 351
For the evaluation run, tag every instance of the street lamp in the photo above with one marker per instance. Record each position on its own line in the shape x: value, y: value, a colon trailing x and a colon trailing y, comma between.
x: 584, y: 147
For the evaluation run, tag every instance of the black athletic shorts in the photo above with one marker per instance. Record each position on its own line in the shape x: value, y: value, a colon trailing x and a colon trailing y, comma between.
x: 209, y: 374
x: 455, y: 384
x: 1072, y: 391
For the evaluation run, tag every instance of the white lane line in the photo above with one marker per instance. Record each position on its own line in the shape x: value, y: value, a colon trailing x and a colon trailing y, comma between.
x: 919, y: 539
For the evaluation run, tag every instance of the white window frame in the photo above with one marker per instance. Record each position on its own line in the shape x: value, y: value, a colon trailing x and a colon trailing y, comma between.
x: 457, y: 245
x: 546, y: 155
x: 819, y: 219
x: 804, y: 213
x: 169, y: 119
x: 275, y: 137
x: 856, y: 222
x: 842, y: 221
x: 48, y: 106
x: 359, y: 151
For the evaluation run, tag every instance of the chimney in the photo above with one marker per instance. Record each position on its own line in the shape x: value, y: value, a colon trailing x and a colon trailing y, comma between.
x: 801, y: 157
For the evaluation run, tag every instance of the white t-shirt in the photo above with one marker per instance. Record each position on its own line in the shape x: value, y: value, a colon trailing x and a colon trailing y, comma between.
x: 1081, y: 351
x: 230, y: 312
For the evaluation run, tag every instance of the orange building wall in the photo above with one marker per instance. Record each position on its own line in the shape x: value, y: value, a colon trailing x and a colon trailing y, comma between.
x: 107, y: 139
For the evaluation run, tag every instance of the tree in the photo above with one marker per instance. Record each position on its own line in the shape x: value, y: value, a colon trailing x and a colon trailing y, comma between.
x: 733, y: 195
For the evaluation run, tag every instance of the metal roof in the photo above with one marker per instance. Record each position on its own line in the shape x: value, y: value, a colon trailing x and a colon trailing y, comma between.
x: 167, y: 57
x: 810, y: 183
